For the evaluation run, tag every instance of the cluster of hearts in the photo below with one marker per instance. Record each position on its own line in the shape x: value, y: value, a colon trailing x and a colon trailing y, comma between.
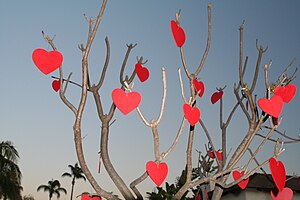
x: 126, y: 102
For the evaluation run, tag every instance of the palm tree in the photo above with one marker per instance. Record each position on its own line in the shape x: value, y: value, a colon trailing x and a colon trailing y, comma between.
x: 10, y: 174
x: 53, y: 187
x: 76, y: 173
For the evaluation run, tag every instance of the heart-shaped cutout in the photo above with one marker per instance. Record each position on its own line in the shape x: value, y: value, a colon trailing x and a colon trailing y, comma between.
x: 237, y: 175
x: 178, y: 34
x: 211, y: 154
x: 192, y: 114
x: 278, y: 173
x: 285, y: 194
x: 142, y: 72
x: 219, y: 155
x: 216, y: 96
x: 157, y: 171
x: 96, y: 198
x: 56, y: 85
x: 272, y: 107
x: 287, y: 92
x: 46, y: 61
x: 126, y: 102
x: 85, y: 197
x: 199, y: 87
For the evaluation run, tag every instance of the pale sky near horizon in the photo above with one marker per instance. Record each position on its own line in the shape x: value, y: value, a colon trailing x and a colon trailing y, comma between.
x: 40, y: 126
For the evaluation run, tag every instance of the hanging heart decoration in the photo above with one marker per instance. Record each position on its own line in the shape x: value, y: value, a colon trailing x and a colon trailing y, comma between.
x: 157, y: 171
x: 88, y: 197
x: 273, y: 107
x: 219, y: 155
x: 199, y: 87
x: 142, y: 72
x: 278, y: 173
x: 285, y: 194
x: 56, y: 85
x: 216, y: 96
x: 96, y: 198
x: 178, y: 33
x: 46, y: 61
x: 126, y: 102
x: 286, y: 92
x: 211, y: 154
x: 192, y: 114
x: 237, y: 175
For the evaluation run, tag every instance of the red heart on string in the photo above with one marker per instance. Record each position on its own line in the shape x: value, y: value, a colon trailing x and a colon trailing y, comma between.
x: 85, y: 197
x: 56, y: 85
x: 278, y: 173
x: 126, y: 102
x: 142, y: 72
x: 237, y: 175
x: 96, y: 198
x: 285, y: 194
x: 211, y: 154
x: 273, y: 107
x: 178, y: 33
x: 286, y: 92
x: 219, y: 155
x: 157, y: 171
x: 46, y: 61
x: 216, y: 96
x: 199, y: 87
x: 192, y: 114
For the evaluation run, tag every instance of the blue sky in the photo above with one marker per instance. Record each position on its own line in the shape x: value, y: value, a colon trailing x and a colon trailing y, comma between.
x: 34, y: 118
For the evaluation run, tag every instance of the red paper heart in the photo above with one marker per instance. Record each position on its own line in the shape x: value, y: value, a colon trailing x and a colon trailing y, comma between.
x: 178, y: 33
x: 285, y: 194
x: 278, y: 173
x: 216, y: 97
x: 85, y: 197
x: 142, y: 72
x: 198, y: 197
x: 236, y: 175
x: 96, y: 198
x: 219, y: 155
x: 126, y: 102
x: 56, y: 85
x: 273, y: 107
x: 46, y: 61
x: 211, y: 154
x: 287, y: 93
x: 192, y: 114
x: 157, y: 171
x: 199, y: 87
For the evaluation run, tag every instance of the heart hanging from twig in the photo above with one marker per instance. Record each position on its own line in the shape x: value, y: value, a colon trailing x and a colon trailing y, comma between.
x: 237, y: 175
x: 126, y: 102
x: 56, y: 85
x: 272, y: 106
x: 286, y: 92
x: 142, y: 72
x: 199, y: 87
x: 216, y: 96
x: 46, y: 61
x: 88, y: 197
x: 178, y: 34
x: 278, y: 173
x: 285, y: 194
x: 157, y: 171
x: 192, y: 114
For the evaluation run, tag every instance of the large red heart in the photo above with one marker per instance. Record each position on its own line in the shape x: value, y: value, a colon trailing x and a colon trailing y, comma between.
x: 46, y: 61
x: 236, y: 175
x: 278, y: 173
x: 287, y: 93
x: 273, y: 107
x: 142, y: 72
x: 216, y: 97
x: 285, y: 194
x: 192, y: 114
x: 56, y: 85
x: 199, y: 87
x: 178, y: 33
x: 157, y: 171
x: 126, y: 102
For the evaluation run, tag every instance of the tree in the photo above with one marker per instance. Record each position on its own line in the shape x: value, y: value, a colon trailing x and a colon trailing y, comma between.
x: 53, y: 187
x: 243, y: 91
x: 10, y: 174
x: 76, y: 173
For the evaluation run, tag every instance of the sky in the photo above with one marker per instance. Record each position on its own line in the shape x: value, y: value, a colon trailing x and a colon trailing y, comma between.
x: 33, y: 117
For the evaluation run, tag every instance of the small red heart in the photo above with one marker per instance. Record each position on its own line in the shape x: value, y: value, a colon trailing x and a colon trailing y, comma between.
x: 211, y: 154
x: 198, y: 197
x: 216, y: 96
x: 219, y: 155
x: 278, y: 173
x: 142, y: 72
x: 192, y: 114
x: 285, y: 194
x: 157, y: 171
x: 236, y: 175
x: 46, y: 61
x: 56, y: 85
x: 96, y: 198
x: 178, y: 33
x: 286, y: 92
x: 126, y: 102
x: 85, y: 197
x: 199, y: 87
x: 273, y: 107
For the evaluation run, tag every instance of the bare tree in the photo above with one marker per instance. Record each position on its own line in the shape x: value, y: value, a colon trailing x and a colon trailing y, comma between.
x: 245, y: 97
